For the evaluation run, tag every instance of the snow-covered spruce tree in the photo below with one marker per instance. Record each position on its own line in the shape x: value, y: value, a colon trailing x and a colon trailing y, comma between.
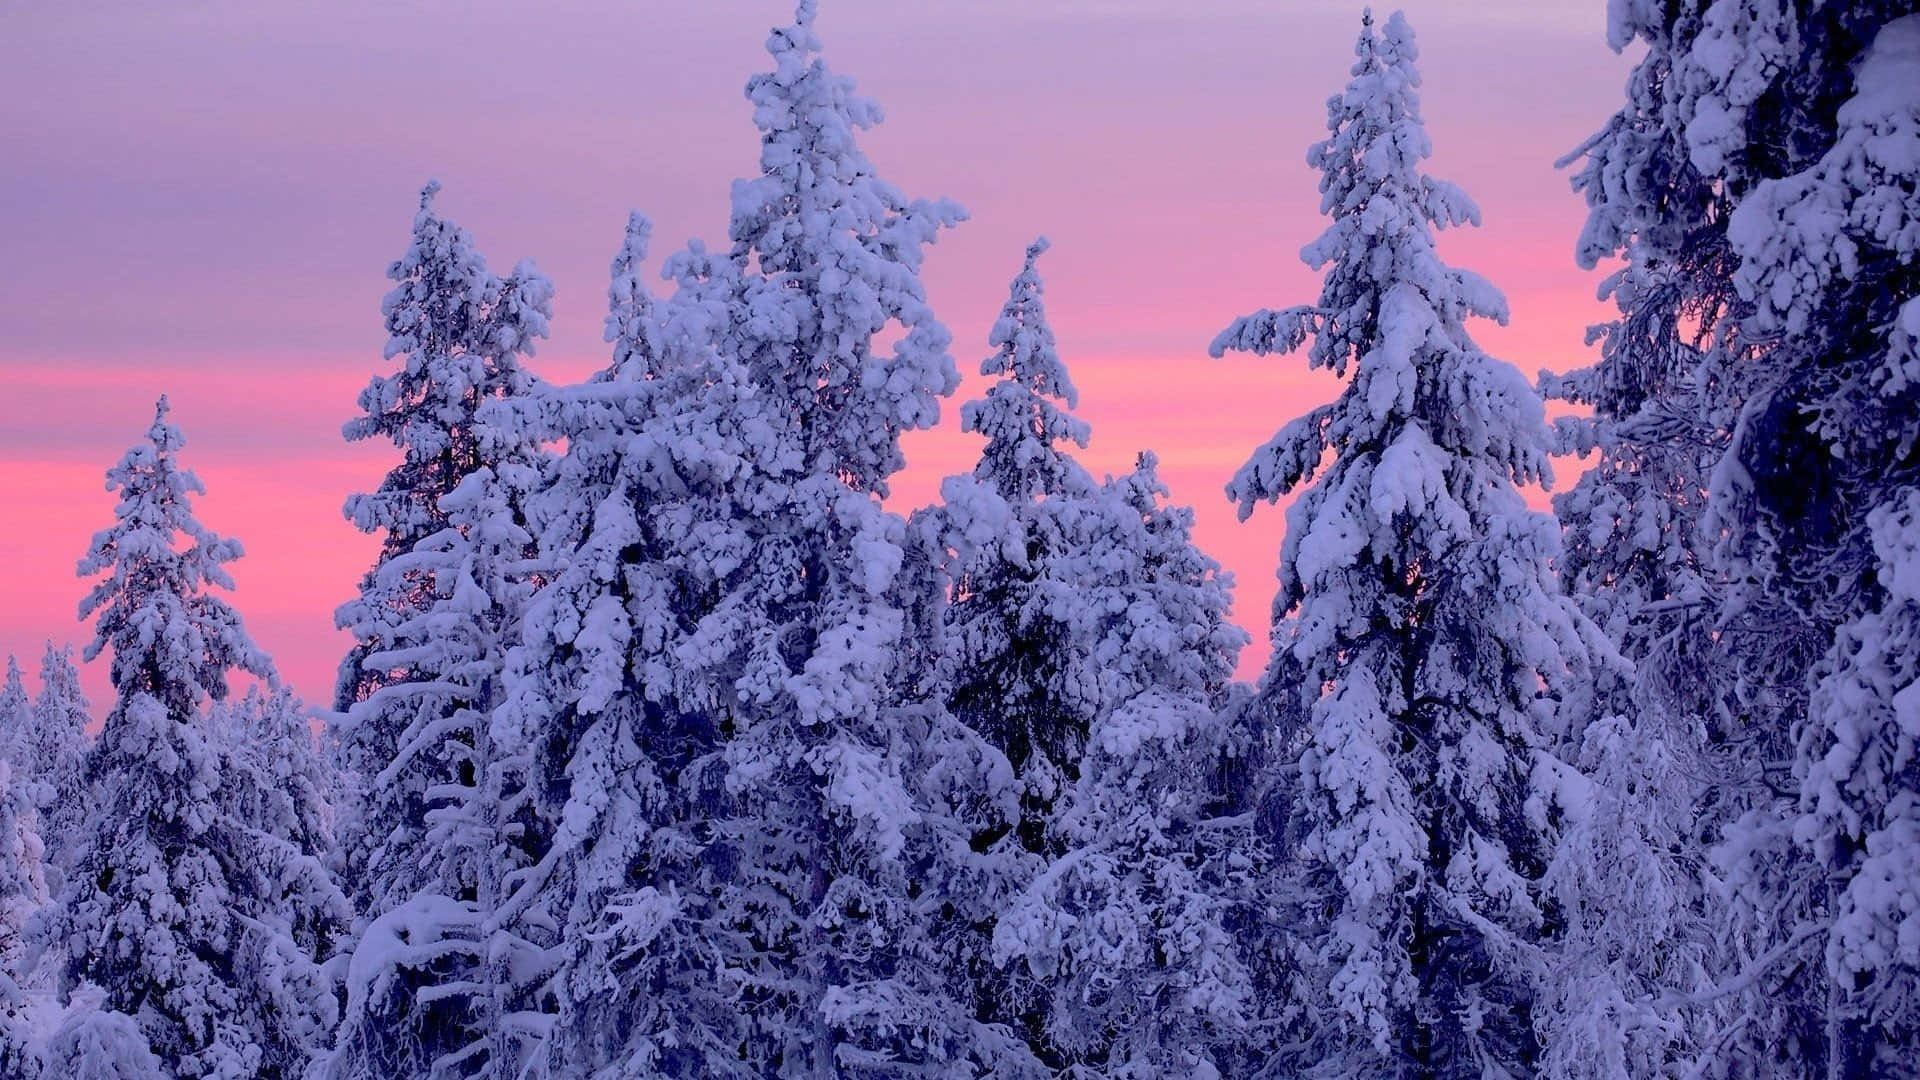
x: 459, y: 333
x: 1635, y: 556
x: 23, y: 885
x: 1038, y: 645
x: 287, y: 778
x: 20, y: 1049
x: 1024, y: 416
x: 1432, y: 653
x: 443, y: 982
x: 1011, y: 669
x: 1128, y: 927
x: 294, y: 915
x: 155, y: 911
x: 1674, y: 763
x: 1628, y: 989
x: 802, y: 647
x: 54, y: 755
x: 626, y: 766
x: 1860, y: 809
x: 1816, y: 501
x: 23, y: 891
x: 1739, y: 185
x: 1663, y: 180
x: 1720, y: 656
x: 1011, y: 681
x: 16, y: 712
x: 792, y: 652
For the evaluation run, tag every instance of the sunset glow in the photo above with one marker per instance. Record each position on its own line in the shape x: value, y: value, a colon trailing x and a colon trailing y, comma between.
x: 200, y: 200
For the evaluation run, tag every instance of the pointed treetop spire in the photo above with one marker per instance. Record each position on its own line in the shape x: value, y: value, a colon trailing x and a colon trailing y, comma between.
x: 1024, y: 338
x: 457, y: 336
x: 1366, y: 45
x: 630, y: 309
x: 427, y: 192
x: 799, y: 37
x: 151, y: 585
x: 633, y: 249
x: 829, y: 256
x: 1024, y: 416
x: 1373, y: 189
x: 1400, y: 45
x: 163, y: 433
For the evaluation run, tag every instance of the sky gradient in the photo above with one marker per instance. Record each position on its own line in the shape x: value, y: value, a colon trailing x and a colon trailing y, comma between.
x: 201, y: 198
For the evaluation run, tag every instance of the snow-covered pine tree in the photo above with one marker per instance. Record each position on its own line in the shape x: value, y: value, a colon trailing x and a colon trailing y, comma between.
x: 1433, y: 653
x: 460, y: 334
x: 20, y: 1048
x: 1628, y: 989
x: 1024, y: 416
x: 817, y: 289
x: 55, y: 757
x: 293, y: 913
x: 1011, y: 670
x: 626, y: 764
x: 1129, y: 928
x: 1011, y: 681
x: 23, y: 892
x: 1635, y: 556
x: 798, y: 649
x: 16, y: 712
x: 1738, y: 184
x: 153, y: 911
x: 23, y: 885
x: 274, y: 742
x: 1721, y: 658
x: 443, y: 982
x: 1672, y: 765
x: 1816, y: 500
x: 1860, y: 807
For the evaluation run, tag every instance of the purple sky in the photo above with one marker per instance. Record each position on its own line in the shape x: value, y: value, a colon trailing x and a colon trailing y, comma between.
x: 200, y: 198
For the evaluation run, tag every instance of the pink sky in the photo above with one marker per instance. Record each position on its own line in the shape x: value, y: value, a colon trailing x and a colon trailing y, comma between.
x: 200, y: 199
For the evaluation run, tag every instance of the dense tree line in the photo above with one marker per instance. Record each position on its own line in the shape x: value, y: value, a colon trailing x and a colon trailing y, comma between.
x: 668, y: 747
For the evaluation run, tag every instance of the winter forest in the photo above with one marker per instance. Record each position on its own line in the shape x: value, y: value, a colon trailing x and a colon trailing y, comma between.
x: 670, y: 745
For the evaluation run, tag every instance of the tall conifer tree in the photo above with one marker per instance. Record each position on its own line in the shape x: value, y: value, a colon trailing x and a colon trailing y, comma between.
x: 813, y: 587
x: 1757, y: 449
x: 459, y: 334
x: 158, y: 910
x: 16, y: 712
x: 54, y: 755
x: 626, y: 764
x: 1012, y: 681
x: 1129, y: 927
x: 1817, y: 500
x: 1427, y: 653
x: 444, y: 981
